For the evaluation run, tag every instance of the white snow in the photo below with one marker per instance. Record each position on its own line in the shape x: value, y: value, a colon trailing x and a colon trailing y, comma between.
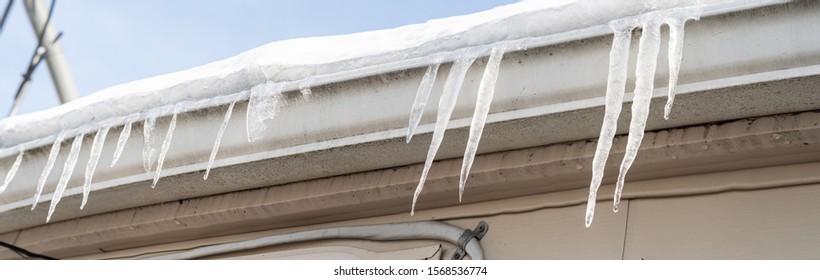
x: 68, y: 169
x: 446, y: 104
x: 93, y: 158
x: 486, y: 90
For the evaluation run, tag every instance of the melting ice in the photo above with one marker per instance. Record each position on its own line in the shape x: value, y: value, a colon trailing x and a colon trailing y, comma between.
x: 166, y: 144
x: 68, y: 169
x: 648, y: 49
x: 486, y: 90
x: 93, y: 158
x: 218, y: 140
x: 446, y: 104
x: 420, y: 102
x: 12, y: 171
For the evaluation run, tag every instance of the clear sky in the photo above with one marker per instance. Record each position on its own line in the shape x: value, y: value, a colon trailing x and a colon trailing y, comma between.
x: 112, y: 42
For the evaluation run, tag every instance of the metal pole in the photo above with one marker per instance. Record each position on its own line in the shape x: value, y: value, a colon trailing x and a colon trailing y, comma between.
x: 55, y: 58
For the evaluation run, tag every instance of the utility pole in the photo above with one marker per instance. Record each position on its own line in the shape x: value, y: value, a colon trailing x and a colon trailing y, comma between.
x: 55, y: 57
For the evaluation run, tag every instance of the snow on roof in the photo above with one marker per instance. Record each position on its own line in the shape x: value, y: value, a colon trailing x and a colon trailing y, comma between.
x: 309, y: 59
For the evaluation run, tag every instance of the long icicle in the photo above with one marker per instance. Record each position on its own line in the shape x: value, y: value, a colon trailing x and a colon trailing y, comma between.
x: 52, y: 156
x: 124, y: 135
x: 616, y: 85
x: 218, y: 140
x: 486, y: 90
x: 423, y: 93
x: 93, y: 158
x: 148, y: 150
x: 68, y: 169
x: 644, y: 86
x: 445, y: 108
x: 166, y: 144
x: 12, y: 171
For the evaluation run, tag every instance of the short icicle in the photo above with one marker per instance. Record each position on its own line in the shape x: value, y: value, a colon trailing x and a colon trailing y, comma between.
x: 166, y: 144
x: 12, y: 171
x: 68, y: 169
x: 675, y: 57
x: 447, y: 103
x: 149, y: 152
x: 124, y: 135
x: 52, y: 156
x: 218, y: 140
x: 486, y: 90
x: 420, y: 102
x: 93, y: 158
x: 648, y: 49
x: 616, y: 85
x: 263, y: 104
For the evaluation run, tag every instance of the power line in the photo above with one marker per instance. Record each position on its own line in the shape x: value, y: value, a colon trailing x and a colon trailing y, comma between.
x: 39, y: 53
x: 25, y: 253
x: 5, y: 15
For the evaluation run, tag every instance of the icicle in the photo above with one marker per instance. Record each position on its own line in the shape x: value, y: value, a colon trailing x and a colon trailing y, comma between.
x: 616, y: 85
x: 421, y: 99
x: 218, y: 139
x: 165, y: 145
x: 263, y: 104
x: 68, y: 169
x: 304, y: 87
x: 445, y: 108
x: 52, y: 156
x: 675, y: 57
x: 149, y: 152
x: 126, y: 132
x: 93, y: 158
x: 486, y: 90
x: 12, y: 171
x: 644, y: 78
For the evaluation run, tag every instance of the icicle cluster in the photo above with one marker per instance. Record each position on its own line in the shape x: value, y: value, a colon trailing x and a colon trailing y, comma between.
x: 648, y: 49
x: 265, y: 100
x: 447, y: 102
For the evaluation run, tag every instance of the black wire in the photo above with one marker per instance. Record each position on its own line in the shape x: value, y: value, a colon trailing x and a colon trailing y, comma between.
x: 35, y: 61
x: 5, y: 15
x: 25, y: 253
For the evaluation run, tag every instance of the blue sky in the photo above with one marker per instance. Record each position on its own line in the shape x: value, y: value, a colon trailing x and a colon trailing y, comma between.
x: 112, y: 42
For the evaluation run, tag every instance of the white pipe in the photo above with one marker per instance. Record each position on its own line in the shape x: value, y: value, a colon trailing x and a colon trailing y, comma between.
x: 432, y: 230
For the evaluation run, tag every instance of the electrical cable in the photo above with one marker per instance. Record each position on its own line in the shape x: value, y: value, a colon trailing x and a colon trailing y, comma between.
x: 25, y: 253
x: 39, y: 53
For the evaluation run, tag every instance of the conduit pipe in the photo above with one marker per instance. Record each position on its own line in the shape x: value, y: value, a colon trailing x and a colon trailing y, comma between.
x: 431, y: 230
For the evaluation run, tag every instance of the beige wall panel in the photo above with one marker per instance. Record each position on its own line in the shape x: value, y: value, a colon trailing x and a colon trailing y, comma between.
x: 553, y: 233
x: 11, y: 238
x: 782, y: 223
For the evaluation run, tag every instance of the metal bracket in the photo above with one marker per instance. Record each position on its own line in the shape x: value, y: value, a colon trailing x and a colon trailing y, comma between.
x: 468, y: 236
